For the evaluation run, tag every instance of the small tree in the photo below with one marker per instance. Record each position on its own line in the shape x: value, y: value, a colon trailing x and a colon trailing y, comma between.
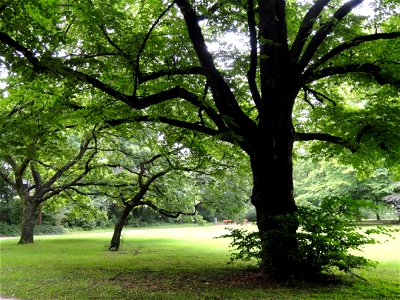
x: 40, y: 155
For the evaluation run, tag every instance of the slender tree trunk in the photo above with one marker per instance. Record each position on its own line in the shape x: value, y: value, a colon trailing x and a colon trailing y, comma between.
x: 40, y: 215
x: 273, y: 199
x: 116, y: 238
x: 29, y: 214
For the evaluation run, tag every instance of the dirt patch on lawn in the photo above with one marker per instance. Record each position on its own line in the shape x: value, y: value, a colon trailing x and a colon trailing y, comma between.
x: 153, y: 281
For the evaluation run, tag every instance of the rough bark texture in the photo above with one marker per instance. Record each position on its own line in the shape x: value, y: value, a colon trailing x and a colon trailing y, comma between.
x: 273, y: 198
x: 29, y: 214
x: 116, y: 238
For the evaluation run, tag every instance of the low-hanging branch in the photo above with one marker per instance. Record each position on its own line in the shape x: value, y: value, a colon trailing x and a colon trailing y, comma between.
x: 168, y: 213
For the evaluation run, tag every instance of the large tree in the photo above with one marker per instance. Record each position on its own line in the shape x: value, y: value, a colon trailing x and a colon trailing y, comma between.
x: 154, y: 58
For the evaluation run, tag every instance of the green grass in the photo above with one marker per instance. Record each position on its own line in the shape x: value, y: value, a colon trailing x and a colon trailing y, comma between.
x: 168, y: 263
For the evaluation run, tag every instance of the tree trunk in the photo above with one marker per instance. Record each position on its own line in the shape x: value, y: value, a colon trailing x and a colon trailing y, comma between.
x: 116, y: 238
x: 273, y: 199
x: 29, y: 214
x: 40, y: 215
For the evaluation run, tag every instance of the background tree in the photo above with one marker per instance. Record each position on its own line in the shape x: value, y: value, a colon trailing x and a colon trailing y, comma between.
x: 170, y: 178
x: 326, y: 180
x: 39, y: 156
x: 154, y: 60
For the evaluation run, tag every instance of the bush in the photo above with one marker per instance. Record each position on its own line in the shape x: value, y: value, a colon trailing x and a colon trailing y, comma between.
x: 326, y: 237
x: 9, y: 230
x: 49, y: 230
x: 15, y: 230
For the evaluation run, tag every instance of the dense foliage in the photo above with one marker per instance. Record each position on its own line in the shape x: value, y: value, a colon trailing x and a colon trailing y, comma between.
x: 327, y: 239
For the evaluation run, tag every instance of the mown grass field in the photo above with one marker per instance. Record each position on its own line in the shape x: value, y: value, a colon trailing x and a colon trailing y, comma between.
x: 168, y: 263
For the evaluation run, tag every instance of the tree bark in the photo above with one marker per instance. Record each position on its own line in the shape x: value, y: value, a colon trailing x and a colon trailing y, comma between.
x: 273, y: 199
x: 29, y: 214
x: 40, y: 215
x: 116, y: 238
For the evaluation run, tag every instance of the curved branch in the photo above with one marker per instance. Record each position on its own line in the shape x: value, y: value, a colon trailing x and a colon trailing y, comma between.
x: 367, y: 68
x: 178, y: 92
x: 55, y: 66
x: 8, y: 40
x: 306, y: 28
x: 142, y: 47
x: 224, y: 98
x: 156, y: 75
x: 251, y: 74
x: 168, y: 213
x: 325, y: 137
x: 83, y: 148
x: 317, y: 95
x: 37, y: 178
x: 353, y: 43
x: 165, y: 120
x: 323, y: 32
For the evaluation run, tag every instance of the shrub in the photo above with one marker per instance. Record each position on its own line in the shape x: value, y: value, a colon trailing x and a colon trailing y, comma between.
x: 9, y: 230
x: 49, y: 230
x: 326, y: 238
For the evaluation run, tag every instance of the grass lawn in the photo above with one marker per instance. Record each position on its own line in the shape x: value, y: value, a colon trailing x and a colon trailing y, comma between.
x: 168, y: 263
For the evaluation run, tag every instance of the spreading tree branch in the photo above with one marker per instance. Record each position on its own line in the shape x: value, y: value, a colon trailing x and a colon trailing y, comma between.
x: 168, y: 213
x: 351, y: 44
x: 251, y: 74
x: 323, y: 32
x: 169, y: 121
x: 47, y: 187
x: 325, y: 138
x: 37, y: 178
x: 184, y: 71
x: 142, y: 47
x: 367, y: 68
x: 306, y: 28
x: 224, y: 98
x: 54, y: 65
x: 317, y: 95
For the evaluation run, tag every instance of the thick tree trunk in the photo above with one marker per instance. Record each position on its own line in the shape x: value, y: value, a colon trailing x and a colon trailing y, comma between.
x: 273, y: 199
x: 116, y: 238
x: 29, y: 214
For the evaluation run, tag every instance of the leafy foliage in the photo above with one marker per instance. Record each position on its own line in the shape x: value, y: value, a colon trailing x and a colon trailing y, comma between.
x: 327, y: 238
